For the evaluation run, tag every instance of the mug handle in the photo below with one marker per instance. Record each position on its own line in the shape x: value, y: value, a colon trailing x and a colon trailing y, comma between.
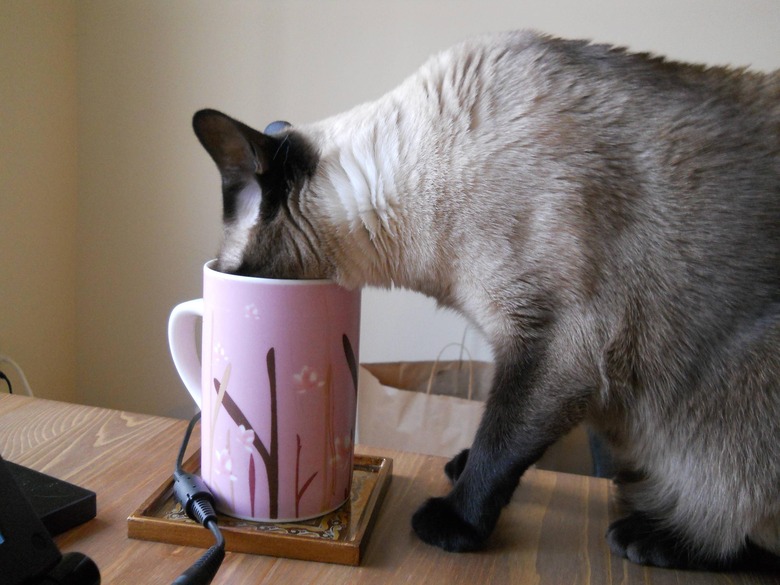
x: 181, y: 340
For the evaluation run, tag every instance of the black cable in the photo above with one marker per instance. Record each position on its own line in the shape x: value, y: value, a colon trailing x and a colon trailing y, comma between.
x: 185, y: 441
x: 198, y: 502
x: 7, y: 381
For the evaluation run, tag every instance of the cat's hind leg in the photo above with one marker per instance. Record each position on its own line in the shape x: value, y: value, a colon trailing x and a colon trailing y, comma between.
x: 645, y: 541
x: 709, y: 493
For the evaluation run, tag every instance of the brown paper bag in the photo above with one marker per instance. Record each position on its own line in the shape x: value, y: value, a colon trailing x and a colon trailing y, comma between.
x: 435, y: 408
x: 423, y: 407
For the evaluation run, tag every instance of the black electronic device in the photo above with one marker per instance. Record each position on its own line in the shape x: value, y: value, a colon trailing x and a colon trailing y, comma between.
x: 34, y: 506
x: 59, y: 504
x: 27, y: 552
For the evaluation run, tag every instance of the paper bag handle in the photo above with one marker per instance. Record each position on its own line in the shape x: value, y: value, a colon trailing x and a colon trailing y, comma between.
x: 435, y: 367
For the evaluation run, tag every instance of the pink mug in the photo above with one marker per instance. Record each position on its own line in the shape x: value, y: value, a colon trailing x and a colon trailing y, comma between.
x: 277, y: 387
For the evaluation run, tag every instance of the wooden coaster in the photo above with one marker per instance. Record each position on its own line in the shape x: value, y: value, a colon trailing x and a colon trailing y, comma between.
x: 339, y: 537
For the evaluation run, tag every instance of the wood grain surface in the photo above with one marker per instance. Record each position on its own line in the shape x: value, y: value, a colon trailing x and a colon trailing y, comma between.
x: 551, y: 532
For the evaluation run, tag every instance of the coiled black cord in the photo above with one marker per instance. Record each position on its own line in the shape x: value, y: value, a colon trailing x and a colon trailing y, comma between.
x: 198, y: 502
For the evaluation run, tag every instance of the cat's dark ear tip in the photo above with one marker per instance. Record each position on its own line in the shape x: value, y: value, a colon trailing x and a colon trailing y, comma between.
x: 201, y: 115
x: 211, y: 126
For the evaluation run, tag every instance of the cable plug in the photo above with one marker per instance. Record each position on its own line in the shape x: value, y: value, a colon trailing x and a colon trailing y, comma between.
x: 194, y: 496
x: 198, y: 503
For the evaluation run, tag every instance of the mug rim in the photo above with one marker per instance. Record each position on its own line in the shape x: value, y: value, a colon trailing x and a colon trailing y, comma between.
x: 208, y: 267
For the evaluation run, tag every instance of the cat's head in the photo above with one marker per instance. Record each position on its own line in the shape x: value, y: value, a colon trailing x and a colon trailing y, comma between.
x: 264, y: 175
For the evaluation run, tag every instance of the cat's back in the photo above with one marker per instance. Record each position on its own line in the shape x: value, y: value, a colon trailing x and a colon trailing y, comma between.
x: 536, y: 56
x: 523, y: 100
x: 527, y: 69
x: 624, y: 151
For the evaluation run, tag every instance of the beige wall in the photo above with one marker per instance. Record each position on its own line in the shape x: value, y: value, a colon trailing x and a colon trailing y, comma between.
x: 38, y: 193
x: 132, y: 203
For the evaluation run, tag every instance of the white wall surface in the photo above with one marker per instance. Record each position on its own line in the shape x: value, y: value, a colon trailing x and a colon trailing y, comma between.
x: 147, y: 196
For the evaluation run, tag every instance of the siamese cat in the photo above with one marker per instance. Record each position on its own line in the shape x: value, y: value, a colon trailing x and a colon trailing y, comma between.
x: 610, y: 221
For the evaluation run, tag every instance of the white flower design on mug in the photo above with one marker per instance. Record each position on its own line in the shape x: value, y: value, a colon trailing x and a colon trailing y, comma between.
x: 246, y: 437
x: 343, y: 448
x: 308, y: 380
x: 219, y: 352
x: 224, y: 464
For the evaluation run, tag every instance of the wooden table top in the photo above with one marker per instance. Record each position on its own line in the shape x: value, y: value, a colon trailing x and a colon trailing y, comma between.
x: 551, y: 532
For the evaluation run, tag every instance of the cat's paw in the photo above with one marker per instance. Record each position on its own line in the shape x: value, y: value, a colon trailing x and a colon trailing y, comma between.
x: 455, y: 466
x: 644, y: 542
x: 438, y: 523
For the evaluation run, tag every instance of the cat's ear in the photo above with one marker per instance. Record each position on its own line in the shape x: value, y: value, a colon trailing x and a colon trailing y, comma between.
x: 239, y: 151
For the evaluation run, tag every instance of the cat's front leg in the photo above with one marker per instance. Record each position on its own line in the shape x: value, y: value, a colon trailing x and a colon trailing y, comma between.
x: 456, y: 465
x: 520, y: 422
x: 463, y: 520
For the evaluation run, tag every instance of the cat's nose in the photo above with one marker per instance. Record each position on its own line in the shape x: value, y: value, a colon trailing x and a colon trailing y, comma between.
x: 276, y: 127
